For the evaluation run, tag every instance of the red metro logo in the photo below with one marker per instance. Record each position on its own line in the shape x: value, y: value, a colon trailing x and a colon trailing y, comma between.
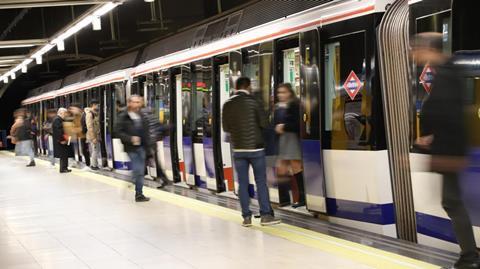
x: 426, y: 78
x: 352, y: 85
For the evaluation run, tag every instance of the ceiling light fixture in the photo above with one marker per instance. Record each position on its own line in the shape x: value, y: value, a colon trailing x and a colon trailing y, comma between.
x: 97, y: 23
x: 59, y: 41
x: 61, y: 45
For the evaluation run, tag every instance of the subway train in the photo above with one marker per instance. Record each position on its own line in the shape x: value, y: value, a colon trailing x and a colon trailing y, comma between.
x: 328, y: 51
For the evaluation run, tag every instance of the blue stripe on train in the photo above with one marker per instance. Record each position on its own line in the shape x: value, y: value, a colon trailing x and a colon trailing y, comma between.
x: 127, y: 166
x: 382, y: 214
x: 436, y: 227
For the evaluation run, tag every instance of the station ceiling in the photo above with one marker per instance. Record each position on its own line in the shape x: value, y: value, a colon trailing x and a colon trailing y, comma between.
x: 25, y: 25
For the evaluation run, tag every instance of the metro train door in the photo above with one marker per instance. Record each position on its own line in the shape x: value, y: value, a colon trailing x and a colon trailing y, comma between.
x: 202, y: 133
x: 287, y: 55
x: 108, y: 123
x: 184, y: 126
x: 222, y: 92
x: 313, y: 170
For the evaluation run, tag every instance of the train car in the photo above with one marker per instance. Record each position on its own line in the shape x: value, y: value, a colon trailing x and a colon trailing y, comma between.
x: 328, y: 51
x: 433, y: 225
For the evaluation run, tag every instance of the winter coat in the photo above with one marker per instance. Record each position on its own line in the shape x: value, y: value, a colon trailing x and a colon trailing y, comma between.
x: 60, y: 150
x: 125, y: 129
x: 443, y: 114
x: 245, y: 120
x: 93, y: 125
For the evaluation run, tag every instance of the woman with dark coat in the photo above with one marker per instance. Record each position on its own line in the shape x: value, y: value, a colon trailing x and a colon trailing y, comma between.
x: 61, y: 147
x: 289, y: 158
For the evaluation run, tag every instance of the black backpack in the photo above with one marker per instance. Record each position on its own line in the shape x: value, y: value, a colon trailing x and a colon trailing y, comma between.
x: 84, y: 123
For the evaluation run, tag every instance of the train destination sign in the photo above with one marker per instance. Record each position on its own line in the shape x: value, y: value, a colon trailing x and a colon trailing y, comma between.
x: 352, y: 85
x: 426, y: 78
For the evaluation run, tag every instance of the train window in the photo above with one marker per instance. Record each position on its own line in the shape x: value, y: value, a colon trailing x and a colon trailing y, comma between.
x: 203, y: 99
x: 348, y: 99
x: 258, y: 66
x: 291, y: 68
x: 162, y: 92
x: 186, y: 101
x: 119, y: 100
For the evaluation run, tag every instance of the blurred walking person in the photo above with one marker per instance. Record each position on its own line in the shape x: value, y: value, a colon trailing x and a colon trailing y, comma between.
x: 21, y: 135
x: 61, y: 141
x: 93, y: 133
x: 48, y: 134
x: 289, y: 158
x: 155, y: 131
x: 444, y: 133
x: 132, y: 129
x: 245, y: 120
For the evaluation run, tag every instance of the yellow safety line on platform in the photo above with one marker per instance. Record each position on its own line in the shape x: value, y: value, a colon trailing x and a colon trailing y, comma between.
x: 357, y: 252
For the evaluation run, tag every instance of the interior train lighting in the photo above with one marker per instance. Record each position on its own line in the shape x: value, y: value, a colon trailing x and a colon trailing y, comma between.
x: 59, y: 40
x: 149, y: 1
x: 13, y: 76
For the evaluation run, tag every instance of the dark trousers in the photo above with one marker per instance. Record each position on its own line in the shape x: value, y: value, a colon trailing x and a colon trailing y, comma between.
x: 63, y: 163
x: 453, y: 204
x: 86, y: 152
x: 243, y: 161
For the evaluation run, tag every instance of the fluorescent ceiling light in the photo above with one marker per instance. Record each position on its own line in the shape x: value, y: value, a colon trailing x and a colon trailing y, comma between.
x: 13, y: 75
x: 24, y: 69
x: 17, y: 46
x: 38, y: 59
x: 97, y: 23
x: 61, y: 45
x: 59, y: 40
x: 5, y: 79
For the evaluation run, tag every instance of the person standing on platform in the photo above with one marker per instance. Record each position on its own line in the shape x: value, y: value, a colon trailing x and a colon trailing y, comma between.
x: 132, y: 129
x: 21, y: 135
x: 245, y: 120
x: 444, y: 133
x: 93, y: 132
x: 61, y: 142
x: 75, y: 113
x: 287, y: 120
x: 48, y: 135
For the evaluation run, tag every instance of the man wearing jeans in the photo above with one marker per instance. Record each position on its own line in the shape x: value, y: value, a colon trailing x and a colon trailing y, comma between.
x: 244, y: 119
x: 132, y: 129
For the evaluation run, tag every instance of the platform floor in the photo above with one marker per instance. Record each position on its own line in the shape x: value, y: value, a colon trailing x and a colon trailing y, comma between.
x: 85, y: 220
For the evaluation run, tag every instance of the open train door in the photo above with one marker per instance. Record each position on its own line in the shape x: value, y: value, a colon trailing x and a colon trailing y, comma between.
x: 313, y: 168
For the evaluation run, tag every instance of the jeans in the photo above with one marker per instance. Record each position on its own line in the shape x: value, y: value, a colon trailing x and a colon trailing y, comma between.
x: 453, y: 204
x: 137, y: 158
x: 95, y: 151
x: 256, y: 159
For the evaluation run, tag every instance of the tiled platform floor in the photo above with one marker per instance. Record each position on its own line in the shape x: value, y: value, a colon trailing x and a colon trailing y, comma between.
x: 48, y: 220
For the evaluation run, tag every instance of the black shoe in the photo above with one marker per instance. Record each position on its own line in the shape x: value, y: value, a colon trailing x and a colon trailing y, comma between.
x: 298, y: 204
x: 65, y: 171
x: 461, y: 264
x: 247, y: 221
x: 141, y: 198
x: 94, y: 168
x: 268, y: 220
x: 31, y: 164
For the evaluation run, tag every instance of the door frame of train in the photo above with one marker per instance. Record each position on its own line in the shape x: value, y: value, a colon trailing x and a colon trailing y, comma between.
x: 217, y: 62
x: 172, y: 73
